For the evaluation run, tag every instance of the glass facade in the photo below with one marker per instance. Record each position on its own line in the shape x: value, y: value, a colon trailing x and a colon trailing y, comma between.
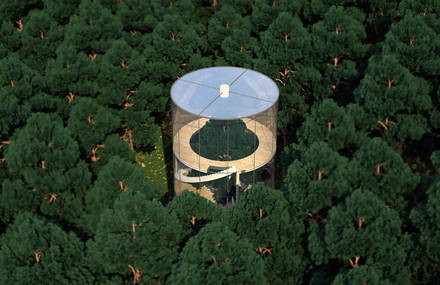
x: 224, y: 137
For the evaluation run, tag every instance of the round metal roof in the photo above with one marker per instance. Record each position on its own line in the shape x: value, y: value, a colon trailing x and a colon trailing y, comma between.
x: 248, y: 92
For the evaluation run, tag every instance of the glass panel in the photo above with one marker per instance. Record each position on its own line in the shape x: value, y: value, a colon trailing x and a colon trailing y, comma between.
x: 192, y: 97
x: 214, y: 76
x: 257, y: 85
x: 235, y: 106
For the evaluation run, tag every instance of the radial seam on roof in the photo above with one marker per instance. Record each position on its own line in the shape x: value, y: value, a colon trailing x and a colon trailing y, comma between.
x: 210, y: 103
x: 256, y: 98
x: 237, y: 77
x: 201, y: 84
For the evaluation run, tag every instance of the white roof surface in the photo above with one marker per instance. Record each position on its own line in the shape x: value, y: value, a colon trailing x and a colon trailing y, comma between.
x: 250, y: 92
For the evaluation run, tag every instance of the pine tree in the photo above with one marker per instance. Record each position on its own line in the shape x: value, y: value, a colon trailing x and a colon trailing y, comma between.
x: 332, y: 124
x: 379, y: 169
x: 337, y: 43
x: 45, y: 171
x: 265, y: 11
x: 362, y: 230
x: 72, y: 74
x: 93, y: 28
x: 416, y: 45
x: 363, y: 274
x: 40, y: 38
x: 35, y: 250
x: 18, y: 84
x: 115, y: 178
x: 222, y: 23
x: 136, y: 239
x: 90, y: 123
x: 262, y: 216
x: 120, y: 72
x: 315, y: 181
x: 218, y: 256
x: 425, y: 218
x: 61, y: 11
x: 237, y: 47
x: 194, y: 211
x: 395, y: 97
x: 10, y: 36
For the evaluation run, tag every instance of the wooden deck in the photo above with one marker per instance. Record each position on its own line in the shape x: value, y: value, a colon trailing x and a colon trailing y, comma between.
x: 262, y: 155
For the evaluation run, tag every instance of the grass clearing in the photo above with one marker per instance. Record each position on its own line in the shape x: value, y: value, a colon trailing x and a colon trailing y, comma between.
x: 154, y: 163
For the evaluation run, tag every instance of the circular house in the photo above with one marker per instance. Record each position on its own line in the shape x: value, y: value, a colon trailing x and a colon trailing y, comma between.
x: 224, y: 131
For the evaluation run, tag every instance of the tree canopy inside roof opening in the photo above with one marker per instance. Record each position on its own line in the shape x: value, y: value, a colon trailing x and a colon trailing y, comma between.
x: 224, y: 140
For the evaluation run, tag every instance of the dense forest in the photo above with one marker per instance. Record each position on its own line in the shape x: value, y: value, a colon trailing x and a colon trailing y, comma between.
x: 86, y: 158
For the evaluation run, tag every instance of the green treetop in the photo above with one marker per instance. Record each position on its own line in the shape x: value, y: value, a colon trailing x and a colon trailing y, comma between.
x: 93, y: 28
x: 90, y: 123
x: 262, y: 216
x: 35, y: 250
x: 40, y: 38
x: 397, y: 99
x: 315, y: 180
x: 46, y: 173
x: 114, y: 178
x: 218, y: 256
x: 416, y: 45
x: 379, y: 169
x: 337, y: 44
x: 332, y: 124
x: 137, y: 239
x: 362, y: 230
x: 193, y: 211
x: 364, y: 274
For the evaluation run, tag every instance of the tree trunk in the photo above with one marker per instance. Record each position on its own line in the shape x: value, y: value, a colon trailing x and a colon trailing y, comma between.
x: 130, y: 140
x: 335, y: 61
x: 320, y: 172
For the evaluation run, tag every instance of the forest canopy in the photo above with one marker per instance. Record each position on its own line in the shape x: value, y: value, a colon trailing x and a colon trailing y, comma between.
x: 85, y: 108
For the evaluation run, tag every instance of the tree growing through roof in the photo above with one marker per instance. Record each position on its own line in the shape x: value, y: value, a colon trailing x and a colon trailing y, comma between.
x: 34, y: 249
x: 217, y: 255
x: 262, y: 216
x: 137, y: 239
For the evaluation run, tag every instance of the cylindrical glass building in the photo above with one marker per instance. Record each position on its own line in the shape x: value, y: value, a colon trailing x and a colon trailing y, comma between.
x: 224, y: 131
